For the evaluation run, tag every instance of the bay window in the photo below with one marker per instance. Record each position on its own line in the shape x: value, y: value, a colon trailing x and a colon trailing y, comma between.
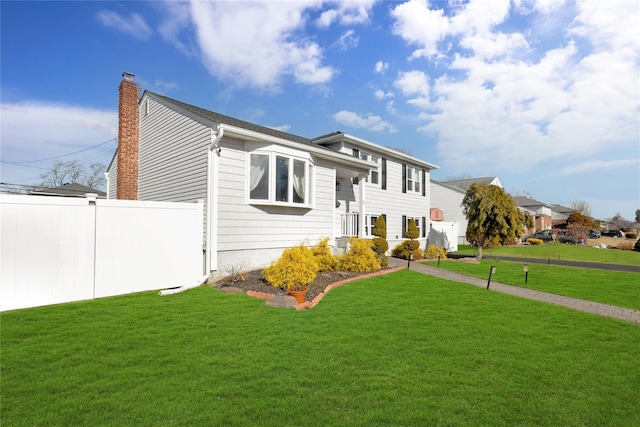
x: 276, y: 178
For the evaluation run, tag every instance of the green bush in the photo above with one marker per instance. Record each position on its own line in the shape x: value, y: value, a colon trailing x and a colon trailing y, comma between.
x: 533, y: 241
x: 324, y: 257
x: 636, y: 247
x: 631, y: 235
x: 380, y: 244
x: 294, y: 270
x: 360, y: 257
x: 406, y: 247
x: 434, y: 251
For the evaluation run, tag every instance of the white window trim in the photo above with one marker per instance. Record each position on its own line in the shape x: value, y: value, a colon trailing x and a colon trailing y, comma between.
x: 369, y: 158
x: 369, y: 224
x: 413, y: 177
x: 418, y: 221
x: 271, y: 199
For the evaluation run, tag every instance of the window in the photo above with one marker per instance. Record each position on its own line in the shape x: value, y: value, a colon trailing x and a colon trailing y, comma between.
x: 411, y: 178
x: 259, y: 177
x: 289, y: 182
x: 421, y: 223
x: 369, y: 223
x: 374, y: 175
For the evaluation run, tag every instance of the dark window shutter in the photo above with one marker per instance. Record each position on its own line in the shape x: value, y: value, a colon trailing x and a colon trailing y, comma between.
x: 404, y: 225
x: 384, y: 174
x: 424, y: 183
x: 356, y: 153
x: 404, y: 178
x: 424, y: 226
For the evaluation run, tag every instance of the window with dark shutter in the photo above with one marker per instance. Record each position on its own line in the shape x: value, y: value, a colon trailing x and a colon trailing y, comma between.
x: 384, y: 174
x: 404, y: 179
x: 424, y: 183
x: 424, y: 226
x: 356, y: 153
x: 404, y: 225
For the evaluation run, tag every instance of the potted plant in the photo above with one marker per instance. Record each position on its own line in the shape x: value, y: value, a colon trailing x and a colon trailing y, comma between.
x: 294, y: 271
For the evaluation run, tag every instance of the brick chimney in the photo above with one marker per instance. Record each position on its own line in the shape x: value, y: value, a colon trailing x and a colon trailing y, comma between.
x: 128, y: 135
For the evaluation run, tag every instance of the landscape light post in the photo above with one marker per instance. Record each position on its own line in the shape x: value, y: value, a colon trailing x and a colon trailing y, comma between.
x: 526, y: 273
x: 493, y: 270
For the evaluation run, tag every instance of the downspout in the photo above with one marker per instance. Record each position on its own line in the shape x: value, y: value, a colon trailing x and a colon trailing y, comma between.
x: 212, y: 156
x: 212, y: 198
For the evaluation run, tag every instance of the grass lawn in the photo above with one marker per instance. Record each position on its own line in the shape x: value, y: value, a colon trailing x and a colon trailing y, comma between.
x: 566, y: 252
x: 399, y: 349
x: 608, y: 287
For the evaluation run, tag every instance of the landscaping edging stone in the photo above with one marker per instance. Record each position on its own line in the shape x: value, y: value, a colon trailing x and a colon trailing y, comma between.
x: 284, y: 301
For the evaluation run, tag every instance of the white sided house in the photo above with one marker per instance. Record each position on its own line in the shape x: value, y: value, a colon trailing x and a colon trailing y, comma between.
x: 263, y: 190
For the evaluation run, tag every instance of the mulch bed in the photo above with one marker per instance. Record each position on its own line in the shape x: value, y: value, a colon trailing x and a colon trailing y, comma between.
x: 253, y: 281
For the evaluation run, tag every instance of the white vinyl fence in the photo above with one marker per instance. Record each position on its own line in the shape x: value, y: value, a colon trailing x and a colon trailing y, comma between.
x: 62, y: 249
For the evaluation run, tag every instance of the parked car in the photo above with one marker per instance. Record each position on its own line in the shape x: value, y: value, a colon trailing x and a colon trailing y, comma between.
x: 613, y: 233
x: 572, y: 240
x: 544, y: 235
x: 594, y: 234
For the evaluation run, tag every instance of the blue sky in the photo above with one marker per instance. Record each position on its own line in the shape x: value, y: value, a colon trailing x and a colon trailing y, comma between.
x: 544, y: 94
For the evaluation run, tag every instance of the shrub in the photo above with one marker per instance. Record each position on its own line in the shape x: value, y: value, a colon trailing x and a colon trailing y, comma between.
x: 359, y: 258
x: 636, y: 247
x: 380, y: 244
x: 294, y: 270
x: 323, y: 255
x: 403, y: 249
x: 434, y: 251
x: 533, y: 241
x: 631, y: 235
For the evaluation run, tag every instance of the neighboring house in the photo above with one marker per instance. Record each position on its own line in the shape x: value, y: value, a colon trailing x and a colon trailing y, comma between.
x: 69, y: 190
x: 541, y: 212
x: 446, y: 201
x: 559, y: 215
x: 264, y: 190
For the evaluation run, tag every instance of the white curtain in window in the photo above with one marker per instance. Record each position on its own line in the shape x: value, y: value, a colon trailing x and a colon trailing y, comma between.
x: 259, y: 165
x: 298, y: 178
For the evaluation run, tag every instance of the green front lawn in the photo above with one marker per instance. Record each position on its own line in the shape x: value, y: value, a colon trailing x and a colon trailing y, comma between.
x: 608, y: 287
x: 564, y: 252
x: 398, y: 349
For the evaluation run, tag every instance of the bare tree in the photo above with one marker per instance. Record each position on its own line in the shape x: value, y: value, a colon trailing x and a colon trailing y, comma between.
x: 72, y: 172
x: 581, y: 206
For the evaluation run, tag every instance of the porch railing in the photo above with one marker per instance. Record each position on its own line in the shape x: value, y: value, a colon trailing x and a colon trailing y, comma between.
x: 349, y: 224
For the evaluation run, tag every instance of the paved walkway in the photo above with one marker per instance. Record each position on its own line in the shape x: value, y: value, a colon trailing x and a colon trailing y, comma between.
x: 615, y: 312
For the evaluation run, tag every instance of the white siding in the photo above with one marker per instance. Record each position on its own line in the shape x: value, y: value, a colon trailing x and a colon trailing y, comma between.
x: 112, y: 180
x: 173, y: 156
x: 252, y: 235
x: 449, y: 201
x: 392, y: 202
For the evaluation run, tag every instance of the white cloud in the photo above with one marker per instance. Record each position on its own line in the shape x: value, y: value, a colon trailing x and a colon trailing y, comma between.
x: 507, y: 102
x: 380, y: 94
x: 346, y: 13
x: 414, y: 84
x: 420, y: 25
x: 256, y: 43
x: 370, y: 122
x: 282, y: 128
x: 38, y: 130
x: 134, y: 24
x: 597, y: 166
x: 381, y: 66
x: 347, y: 40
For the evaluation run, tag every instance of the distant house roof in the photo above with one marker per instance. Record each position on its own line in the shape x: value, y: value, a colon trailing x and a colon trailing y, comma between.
x: 68, y: 190
x: 464, y: 184
x: 527, y: 202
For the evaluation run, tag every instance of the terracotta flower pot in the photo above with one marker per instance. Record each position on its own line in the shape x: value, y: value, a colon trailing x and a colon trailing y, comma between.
x: 298, y: 295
